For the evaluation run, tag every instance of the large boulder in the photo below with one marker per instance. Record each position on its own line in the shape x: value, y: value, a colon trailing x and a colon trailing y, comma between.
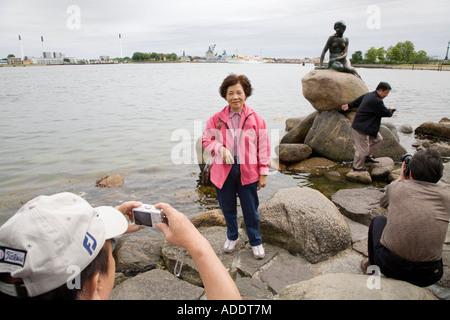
x: 342, y: 286
x: 390, y: 147
x: 293, y: 152
x: 300, y: 129
x: 304, y: 221
x: 331, y: 136
x: 329, y: 89
x: 430, y: 128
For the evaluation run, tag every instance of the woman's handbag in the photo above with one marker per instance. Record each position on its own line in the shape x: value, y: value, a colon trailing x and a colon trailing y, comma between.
x: 207, y: 168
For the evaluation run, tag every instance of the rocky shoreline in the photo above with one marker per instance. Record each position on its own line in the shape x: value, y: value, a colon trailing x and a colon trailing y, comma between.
x: 314, y: 244
x: 314, y: 253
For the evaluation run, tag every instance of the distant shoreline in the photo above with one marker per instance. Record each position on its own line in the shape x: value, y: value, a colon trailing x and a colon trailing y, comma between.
x: 434, y: 67
x: 431, y: 67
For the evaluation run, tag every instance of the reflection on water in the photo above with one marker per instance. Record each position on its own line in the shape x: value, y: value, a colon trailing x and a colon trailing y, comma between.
x: 63, y: 127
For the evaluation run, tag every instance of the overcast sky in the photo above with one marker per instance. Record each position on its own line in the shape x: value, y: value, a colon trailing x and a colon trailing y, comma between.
x: 271, y: 28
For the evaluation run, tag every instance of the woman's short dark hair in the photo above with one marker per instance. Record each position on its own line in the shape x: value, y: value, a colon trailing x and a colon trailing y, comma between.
x: 426, y: 165
x: 234, y: 79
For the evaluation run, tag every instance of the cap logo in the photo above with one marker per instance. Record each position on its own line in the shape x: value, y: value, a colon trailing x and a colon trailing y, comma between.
x: 89, y: 243
x: 12, y: 256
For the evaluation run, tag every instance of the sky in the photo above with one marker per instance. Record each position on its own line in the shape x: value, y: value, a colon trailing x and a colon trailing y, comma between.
x: 87, y: 29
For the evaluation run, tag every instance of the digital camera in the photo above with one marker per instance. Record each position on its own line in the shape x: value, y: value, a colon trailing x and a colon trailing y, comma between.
x: 148, y: 215
x: 406, y: 158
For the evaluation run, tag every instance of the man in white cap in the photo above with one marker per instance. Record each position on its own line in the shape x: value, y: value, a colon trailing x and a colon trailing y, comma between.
x: 58, y: 247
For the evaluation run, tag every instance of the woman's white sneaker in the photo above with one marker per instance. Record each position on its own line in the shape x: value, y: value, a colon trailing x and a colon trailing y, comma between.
x: 258, y: 252
x: 230, y: 245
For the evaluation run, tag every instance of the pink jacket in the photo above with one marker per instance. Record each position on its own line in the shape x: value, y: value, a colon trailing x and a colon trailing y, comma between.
x: 253, y: 145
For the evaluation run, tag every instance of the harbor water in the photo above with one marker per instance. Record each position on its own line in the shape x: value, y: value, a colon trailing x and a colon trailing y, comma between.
x: 64, y: 127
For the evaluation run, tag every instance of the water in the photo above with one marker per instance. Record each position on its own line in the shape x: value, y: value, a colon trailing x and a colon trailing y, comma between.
x: 64, y: 127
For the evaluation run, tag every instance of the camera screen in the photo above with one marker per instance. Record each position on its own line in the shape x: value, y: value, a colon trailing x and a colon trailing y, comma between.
x: 143, y: 218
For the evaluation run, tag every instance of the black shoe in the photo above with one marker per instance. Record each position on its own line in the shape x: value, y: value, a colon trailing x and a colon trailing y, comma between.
x: 361, y: 169
x: 371, y: 160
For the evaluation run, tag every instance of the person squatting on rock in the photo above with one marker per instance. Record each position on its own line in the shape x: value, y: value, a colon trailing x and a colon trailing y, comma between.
x: 366, y: 125
x: 58, y: 247
x: 238, y: 141
x: 407, y: 244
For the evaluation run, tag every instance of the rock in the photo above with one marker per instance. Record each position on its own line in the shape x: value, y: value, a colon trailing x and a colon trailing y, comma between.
x: 292, y: 122
x: 209, y: 219
x: 390, y: 147
x: 312, y: 165
x: 331, y: 136
x: 329, y: 89
x: 112, y: 181
x: 340, y: 286
x: 393, y: 129
x: 384, y: 162
x: 253, y: 288
x: 406, y: 128
x: 381, y: 171
x: 139, y: 251
x: 298, y: 133
x: 445, y: 280
x: 360, y: 205
x: 156, y: 285
x: 302, y: 220
x: 216, y: 236
x: 380, y: 174
x: 290, y: 153
x: 359, y: 176
x: 285, y: 270
x: 442, y: 147
x: 248, y: 266
x: 438, y: 130
x: 277, y: 165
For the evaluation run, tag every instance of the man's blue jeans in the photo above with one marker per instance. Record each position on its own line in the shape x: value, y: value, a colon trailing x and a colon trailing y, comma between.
x: 248, y: 196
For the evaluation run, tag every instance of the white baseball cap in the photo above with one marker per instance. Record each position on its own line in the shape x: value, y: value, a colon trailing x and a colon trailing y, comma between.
x: 51, y: 239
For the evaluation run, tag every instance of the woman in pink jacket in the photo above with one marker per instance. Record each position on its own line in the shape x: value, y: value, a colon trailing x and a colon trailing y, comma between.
x: 238, y: 141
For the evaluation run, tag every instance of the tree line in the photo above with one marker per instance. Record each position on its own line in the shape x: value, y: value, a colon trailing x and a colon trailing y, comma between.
x: 141, y: 56
x: 402, y: 52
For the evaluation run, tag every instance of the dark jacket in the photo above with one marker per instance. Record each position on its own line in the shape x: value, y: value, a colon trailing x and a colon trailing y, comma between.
x: 371, y: 109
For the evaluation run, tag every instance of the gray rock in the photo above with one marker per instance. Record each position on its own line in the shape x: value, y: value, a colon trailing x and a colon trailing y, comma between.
x: 390, y: 147
x: 430, y: 128
x: 139, y: 251
x: 253, y: 289
x: 360, y: 205
x: 329, y: 89
x: 293, y: 152
x: 340, y: 286
x: 302, y: 220
x: 359, y: 176
x: 314, y: 166
x: 406, y: 128
x: 156, y: 284
x: 331, y: 136
x: 216, y: 236
x: 298, y: 133
x: 285, y: 270
x: 292, y: 122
